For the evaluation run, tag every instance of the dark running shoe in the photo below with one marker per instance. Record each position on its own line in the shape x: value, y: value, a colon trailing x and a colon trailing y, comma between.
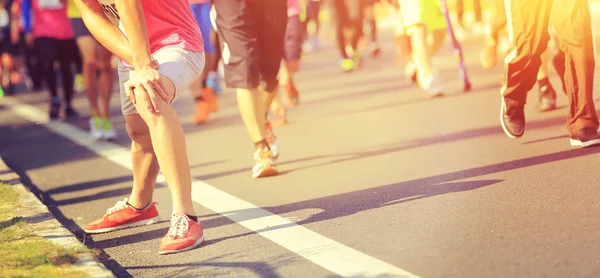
x: 512, y: 119
x: 70, y: 112
x: 586, y: 137
x: 54, y: 110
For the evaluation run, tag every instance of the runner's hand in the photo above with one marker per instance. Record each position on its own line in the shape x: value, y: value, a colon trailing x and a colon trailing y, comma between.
x: 146, y: 81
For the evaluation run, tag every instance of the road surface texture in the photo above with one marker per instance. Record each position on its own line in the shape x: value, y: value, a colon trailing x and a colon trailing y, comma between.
x: 377, y: 181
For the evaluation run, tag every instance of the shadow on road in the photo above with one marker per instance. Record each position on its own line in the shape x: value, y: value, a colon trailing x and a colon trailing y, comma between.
x: 346, y: 204
x: 358, y: 201
x: 261, y: 269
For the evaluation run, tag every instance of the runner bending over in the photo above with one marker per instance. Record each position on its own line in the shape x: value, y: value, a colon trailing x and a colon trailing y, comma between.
x: 161, y: 57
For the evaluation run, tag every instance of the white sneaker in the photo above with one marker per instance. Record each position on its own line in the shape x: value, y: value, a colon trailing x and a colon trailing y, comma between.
x: 263, y: 164
x: 96, y: 128
x: 108, y: 130
x: 432, y: 84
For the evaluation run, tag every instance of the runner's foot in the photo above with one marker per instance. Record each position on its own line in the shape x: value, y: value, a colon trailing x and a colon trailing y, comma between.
x: 122, y: 216
x: 263, y: 163
x: 184, y: 235
x: 109, y: 132
x: 279, y: 115
x: 585, y: 137
x: 96, y: 128
x: 54, y: 109
x: 70, y: 112
x: 201, y: 112
x: 211, y: 99
x: 432, y: 85
x: 291, y: 94
x: 347, y: 65
x: 512, y: 119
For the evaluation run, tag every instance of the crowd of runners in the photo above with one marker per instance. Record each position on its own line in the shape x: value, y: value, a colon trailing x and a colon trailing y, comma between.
x: 161, y: 49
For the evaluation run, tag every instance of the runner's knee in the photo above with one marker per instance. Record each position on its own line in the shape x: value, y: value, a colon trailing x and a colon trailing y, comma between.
x: 89, y: 65
x: 139, y: 133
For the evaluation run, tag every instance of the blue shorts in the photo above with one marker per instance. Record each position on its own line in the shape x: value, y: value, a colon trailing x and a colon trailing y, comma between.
x: 201, y: 13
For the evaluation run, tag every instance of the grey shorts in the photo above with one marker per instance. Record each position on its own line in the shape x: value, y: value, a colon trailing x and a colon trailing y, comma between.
x: 79, y: 28
x: 181, y: 66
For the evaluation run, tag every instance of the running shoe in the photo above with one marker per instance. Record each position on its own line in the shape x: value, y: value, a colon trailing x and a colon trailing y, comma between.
x: 70, y: 112
x: 96, y: 128
x: 184, y: 235
x: 512, y: 119
x: 585, y: 137
x: 279, y: 115
x: 211, y: 99
x: 263, y: 163
x: 347, y: 65
x: 201, y: 112
x: 122, y: 216
x: 109, y: 132
x: 54, y: 109
x: 78, y: 84
x: 271, y: 139
x: 432, y: 84
x: 291, y: 94
x: 547, y: 99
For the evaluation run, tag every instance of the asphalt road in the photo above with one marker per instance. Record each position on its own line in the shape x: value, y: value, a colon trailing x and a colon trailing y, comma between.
x: 429, y: 187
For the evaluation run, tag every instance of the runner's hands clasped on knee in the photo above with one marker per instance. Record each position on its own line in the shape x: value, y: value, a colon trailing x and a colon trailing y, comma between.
x: 145, y: 83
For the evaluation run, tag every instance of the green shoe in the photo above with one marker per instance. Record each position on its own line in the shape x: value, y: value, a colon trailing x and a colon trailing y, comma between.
x: 109, y: 131
x: 96, y: 128
x: 347, y: 65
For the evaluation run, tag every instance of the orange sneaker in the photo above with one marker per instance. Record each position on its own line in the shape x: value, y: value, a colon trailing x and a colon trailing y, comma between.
x: 184, y: 235
x: 122, y: 216
x: 201, y: 112
x: 264, y: 166
x: 211, y: 98
x: 292, y: 98
x: 279, y: 115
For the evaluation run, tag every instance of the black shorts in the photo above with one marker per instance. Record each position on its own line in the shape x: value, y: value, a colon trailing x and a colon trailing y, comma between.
x: 79, y: 28
x: 252, y: 35
x: 6, y: 45
x: 294, y: 35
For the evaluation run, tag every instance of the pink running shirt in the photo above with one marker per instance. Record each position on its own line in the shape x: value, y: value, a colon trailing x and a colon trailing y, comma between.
x: 198, y: 1
x: 51, y: 20
x: 170, y: 24
x: 293, y: 8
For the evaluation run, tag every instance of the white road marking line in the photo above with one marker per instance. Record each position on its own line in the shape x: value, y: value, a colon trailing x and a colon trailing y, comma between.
x: 325, y: 252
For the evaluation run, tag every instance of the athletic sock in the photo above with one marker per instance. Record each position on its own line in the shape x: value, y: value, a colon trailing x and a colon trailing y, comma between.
x: 138, y: 209
x: 194, y: 218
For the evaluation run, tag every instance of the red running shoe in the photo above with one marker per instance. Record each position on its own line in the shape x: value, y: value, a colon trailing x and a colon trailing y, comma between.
x: 122, y: 216
x: 184, y: 235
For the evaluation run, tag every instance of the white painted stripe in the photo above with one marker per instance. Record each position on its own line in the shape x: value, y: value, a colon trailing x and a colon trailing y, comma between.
x: 329, y: 254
